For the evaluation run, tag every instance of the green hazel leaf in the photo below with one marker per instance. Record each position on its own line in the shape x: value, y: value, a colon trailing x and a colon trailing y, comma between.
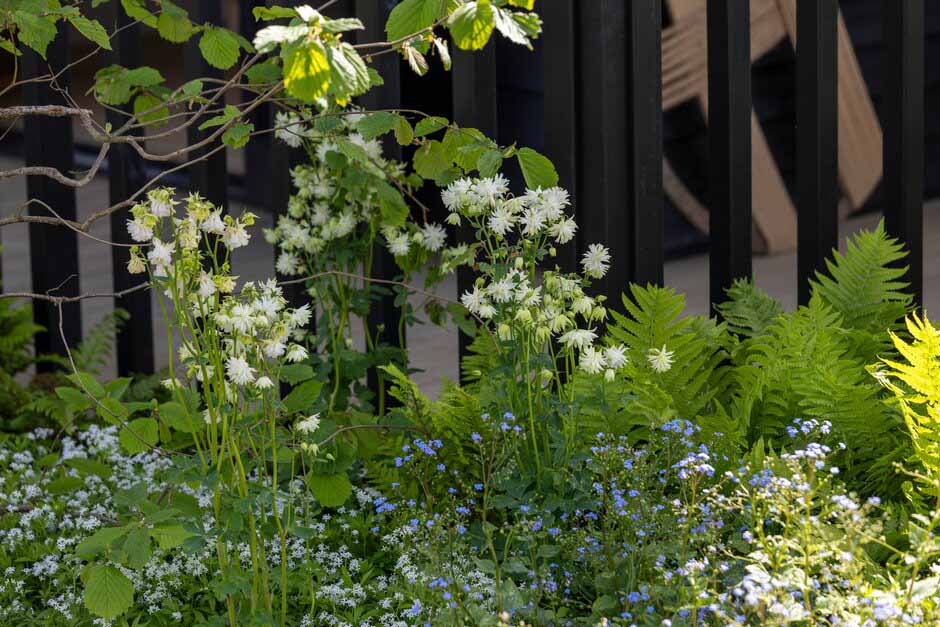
x: 89, y: 466
x: 348, y: 73
x: 426, y: 126
x: 143, y: 77
x: 108, y: 593
x: 228, y: 113
x: 174, y: 415
x: 404, y: 134
x: 375, y: 79
x: 193, y: 88
x: 431, y: 160
x: 330, y: 490
x: 489, y: 163
x: 111, y: 410
x: 115, y: 388
x: 111, y: 86
x: 510, y: 28
x: 303, y: 396
x: 34, y: 31
x: 264, y: 73
x: 472, y: 24
x: 392, y: 206
x: 7, y: 45
x: 416, y: 61
x: 219, y: 47
x: 64, y: 485
x: 523, y: 4
x: 537, y: 170
x: 139, y: 435
x: 158, y: 115
x: 136, y: 10
x: 266, y: 14
x: 342, y: 25
x: 296, y: 373
x: 375, y: 124
x: 173, y: 23
x: 237, y: 135
x: 530, y: 23
x: 306, y: 71
x: 91, y: 30
x: 412, y: 16
x: 99, y: 542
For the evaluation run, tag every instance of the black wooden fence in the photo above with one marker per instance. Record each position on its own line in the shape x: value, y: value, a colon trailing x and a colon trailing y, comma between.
x: 603, y: 130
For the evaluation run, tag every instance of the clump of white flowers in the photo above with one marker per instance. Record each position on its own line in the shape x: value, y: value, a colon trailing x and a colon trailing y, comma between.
x: 517, y: 235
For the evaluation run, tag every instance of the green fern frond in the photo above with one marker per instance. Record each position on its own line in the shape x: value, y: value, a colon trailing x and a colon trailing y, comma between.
x: 866, y: 284
x: 97, y: 345
x: 748, y: 310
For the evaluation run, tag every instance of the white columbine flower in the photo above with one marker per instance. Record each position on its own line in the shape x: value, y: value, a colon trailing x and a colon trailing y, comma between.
x: 235, y: 236
x: 296, y: 353
x: 264, y: 383
x: 434, y: 236
x: 238, y: 371
x: 161, y: 202
x: 563, y: 231
x: 300, y: 316
x: 592, y: 360
x: 578, y: 338
x: 308, y: 425
x: 214, y: 223
x: 616, y: 356
x: 289, y: 129
x: 399, y: 245
x: 474, y: 299
x: 287, y: 264
x: 501, y: 221
x: 596, y: 261
x: 660, y: 359
x: 139, y: 231
x: 206, y: 285
x: 161, y: 253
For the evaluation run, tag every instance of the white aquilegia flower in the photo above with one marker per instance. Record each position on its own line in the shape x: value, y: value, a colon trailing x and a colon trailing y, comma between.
x: 308, y: 425
x: 616, y: 356
x: 296, y: 353
x: 235, y: 236
x: 474, y: 299
x: 206, y: 285
x: 660, y: 359
x: 434, y: 236
x: 596, y: 261
x: 300, y: 316
x: 139, y: 231
x: 289, y: 129
x: 399, y: 244
x: 213, y: 223
x: 501, y: 221
x: 578, y: 338
x: 136, y: 264
x: 287, y: 264
x: 264, y: 383
x: 592, y: 360
x: 563, y: 231
x: 161, y: 202
x: 238, y: 371
x: 161, y: 253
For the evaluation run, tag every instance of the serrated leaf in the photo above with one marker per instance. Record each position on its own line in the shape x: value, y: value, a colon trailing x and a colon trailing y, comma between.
x: 472, y: 24
x: 416, y: 60
x: 99, y: 542
x: 108, y: 593
x: 192, y: 89
x: 330, y: 490
x: 431, y: 160
x: 173, y: 23
x: 296, y: 373
x: 143, y: 76
x: 169, y: 536
x: 392, y: 206
x: 443, y: 52
x: 111, y: 411
x: 91, y: 30
x: 268, y: 38
x: 537, y: 170
x: 174, y: 415
x: 426, y: 126
x: 489, y: 163
x: 376, y: 124
x: 139, y: 435
x: 137, y: 548
x: 219, y: 47
x: 303, y: 396
x: 264, y: 73
x: 404, y: 134
x: 306, y: 71
x: 510, y: 28
x: 34, y: 31
x: 264, y: 14
x: 237, y: 135
x: 412, y: 16
x: 157, y: 116
x: 523, y: 4
x: 136, y: 10
x: 348, y: 73
x: 342, y: 25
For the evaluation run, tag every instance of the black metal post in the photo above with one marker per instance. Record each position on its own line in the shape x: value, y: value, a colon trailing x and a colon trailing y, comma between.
x: 645, y: 126
x: 126, y: 175
x: 729, y: 131
x: 817, y: 138
x: 385, y: 317
x: 53, y: 249
x: 903, y: 123
x: 258, y: 150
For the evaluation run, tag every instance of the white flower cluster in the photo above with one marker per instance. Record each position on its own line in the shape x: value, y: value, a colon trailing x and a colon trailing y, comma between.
x: 324, y: 210
x: 516, y: 234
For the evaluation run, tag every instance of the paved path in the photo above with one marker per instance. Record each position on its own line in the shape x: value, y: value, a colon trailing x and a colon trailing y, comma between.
x: 433, y: 350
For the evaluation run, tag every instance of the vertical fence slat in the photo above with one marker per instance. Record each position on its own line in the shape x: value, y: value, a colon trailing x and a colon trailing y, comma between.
x: 729, y: 135
x: 602, y: 138
x: 208, y: 176
x: 126, y: 175
x: 903, y: 123
x: 53, y: 249
x: 475, y: 105
x: 645, y: 175
x: 817, y: 138
x: 258, y: 150
x: 385, y: 318
x: 560, y: 75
